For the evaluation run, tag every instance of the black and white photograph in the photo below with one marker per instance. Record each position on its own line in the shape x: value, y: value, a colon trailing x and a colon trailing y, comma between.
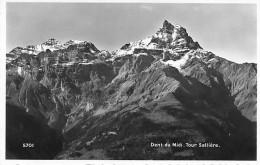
x: 130, y: 81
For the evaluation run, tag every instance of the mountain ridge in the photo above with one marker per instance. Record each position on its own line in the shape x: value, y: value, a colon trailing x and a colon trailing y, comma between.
x: 164, y: 88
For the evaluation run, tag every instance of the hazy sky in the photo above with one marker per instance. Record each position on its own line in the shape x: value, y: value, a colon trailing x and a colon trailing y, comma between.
x: 228, y: 30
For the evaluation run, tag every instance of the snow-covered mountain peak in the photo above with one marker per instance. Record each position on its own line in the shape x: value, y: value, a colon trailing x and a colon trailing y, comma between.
x: 169, y: 38
x: 52, y: 44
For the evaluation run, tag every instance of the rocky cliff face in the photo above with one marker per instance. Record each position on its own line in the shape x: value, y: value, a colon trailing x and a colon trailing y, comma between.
x: 163, y: 89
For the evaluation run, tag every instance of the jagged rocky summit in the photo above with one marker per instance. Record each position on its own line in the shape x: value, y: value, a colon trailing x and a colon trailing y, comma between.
x: 170, y: 39
x: 162, y: 89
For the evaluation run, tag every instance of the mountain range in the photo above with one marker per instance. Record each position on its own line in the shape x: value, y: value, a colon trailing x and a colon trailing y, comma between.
x: 95, y: 104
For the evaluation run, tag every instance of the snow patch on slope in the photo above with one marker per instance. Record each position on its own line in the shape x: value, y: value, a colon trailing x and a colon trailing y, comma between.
x: 178, y: 63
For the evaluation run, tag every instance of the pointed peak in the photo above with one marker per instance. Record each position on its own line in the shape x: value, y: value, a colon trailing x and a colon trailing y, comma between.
x: 165, y: 22
x: 167, y: 25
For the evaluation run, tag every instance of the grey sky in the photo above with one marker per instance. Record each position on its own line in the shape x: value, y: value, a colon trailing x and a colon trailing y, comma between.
x: 228, y: 30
